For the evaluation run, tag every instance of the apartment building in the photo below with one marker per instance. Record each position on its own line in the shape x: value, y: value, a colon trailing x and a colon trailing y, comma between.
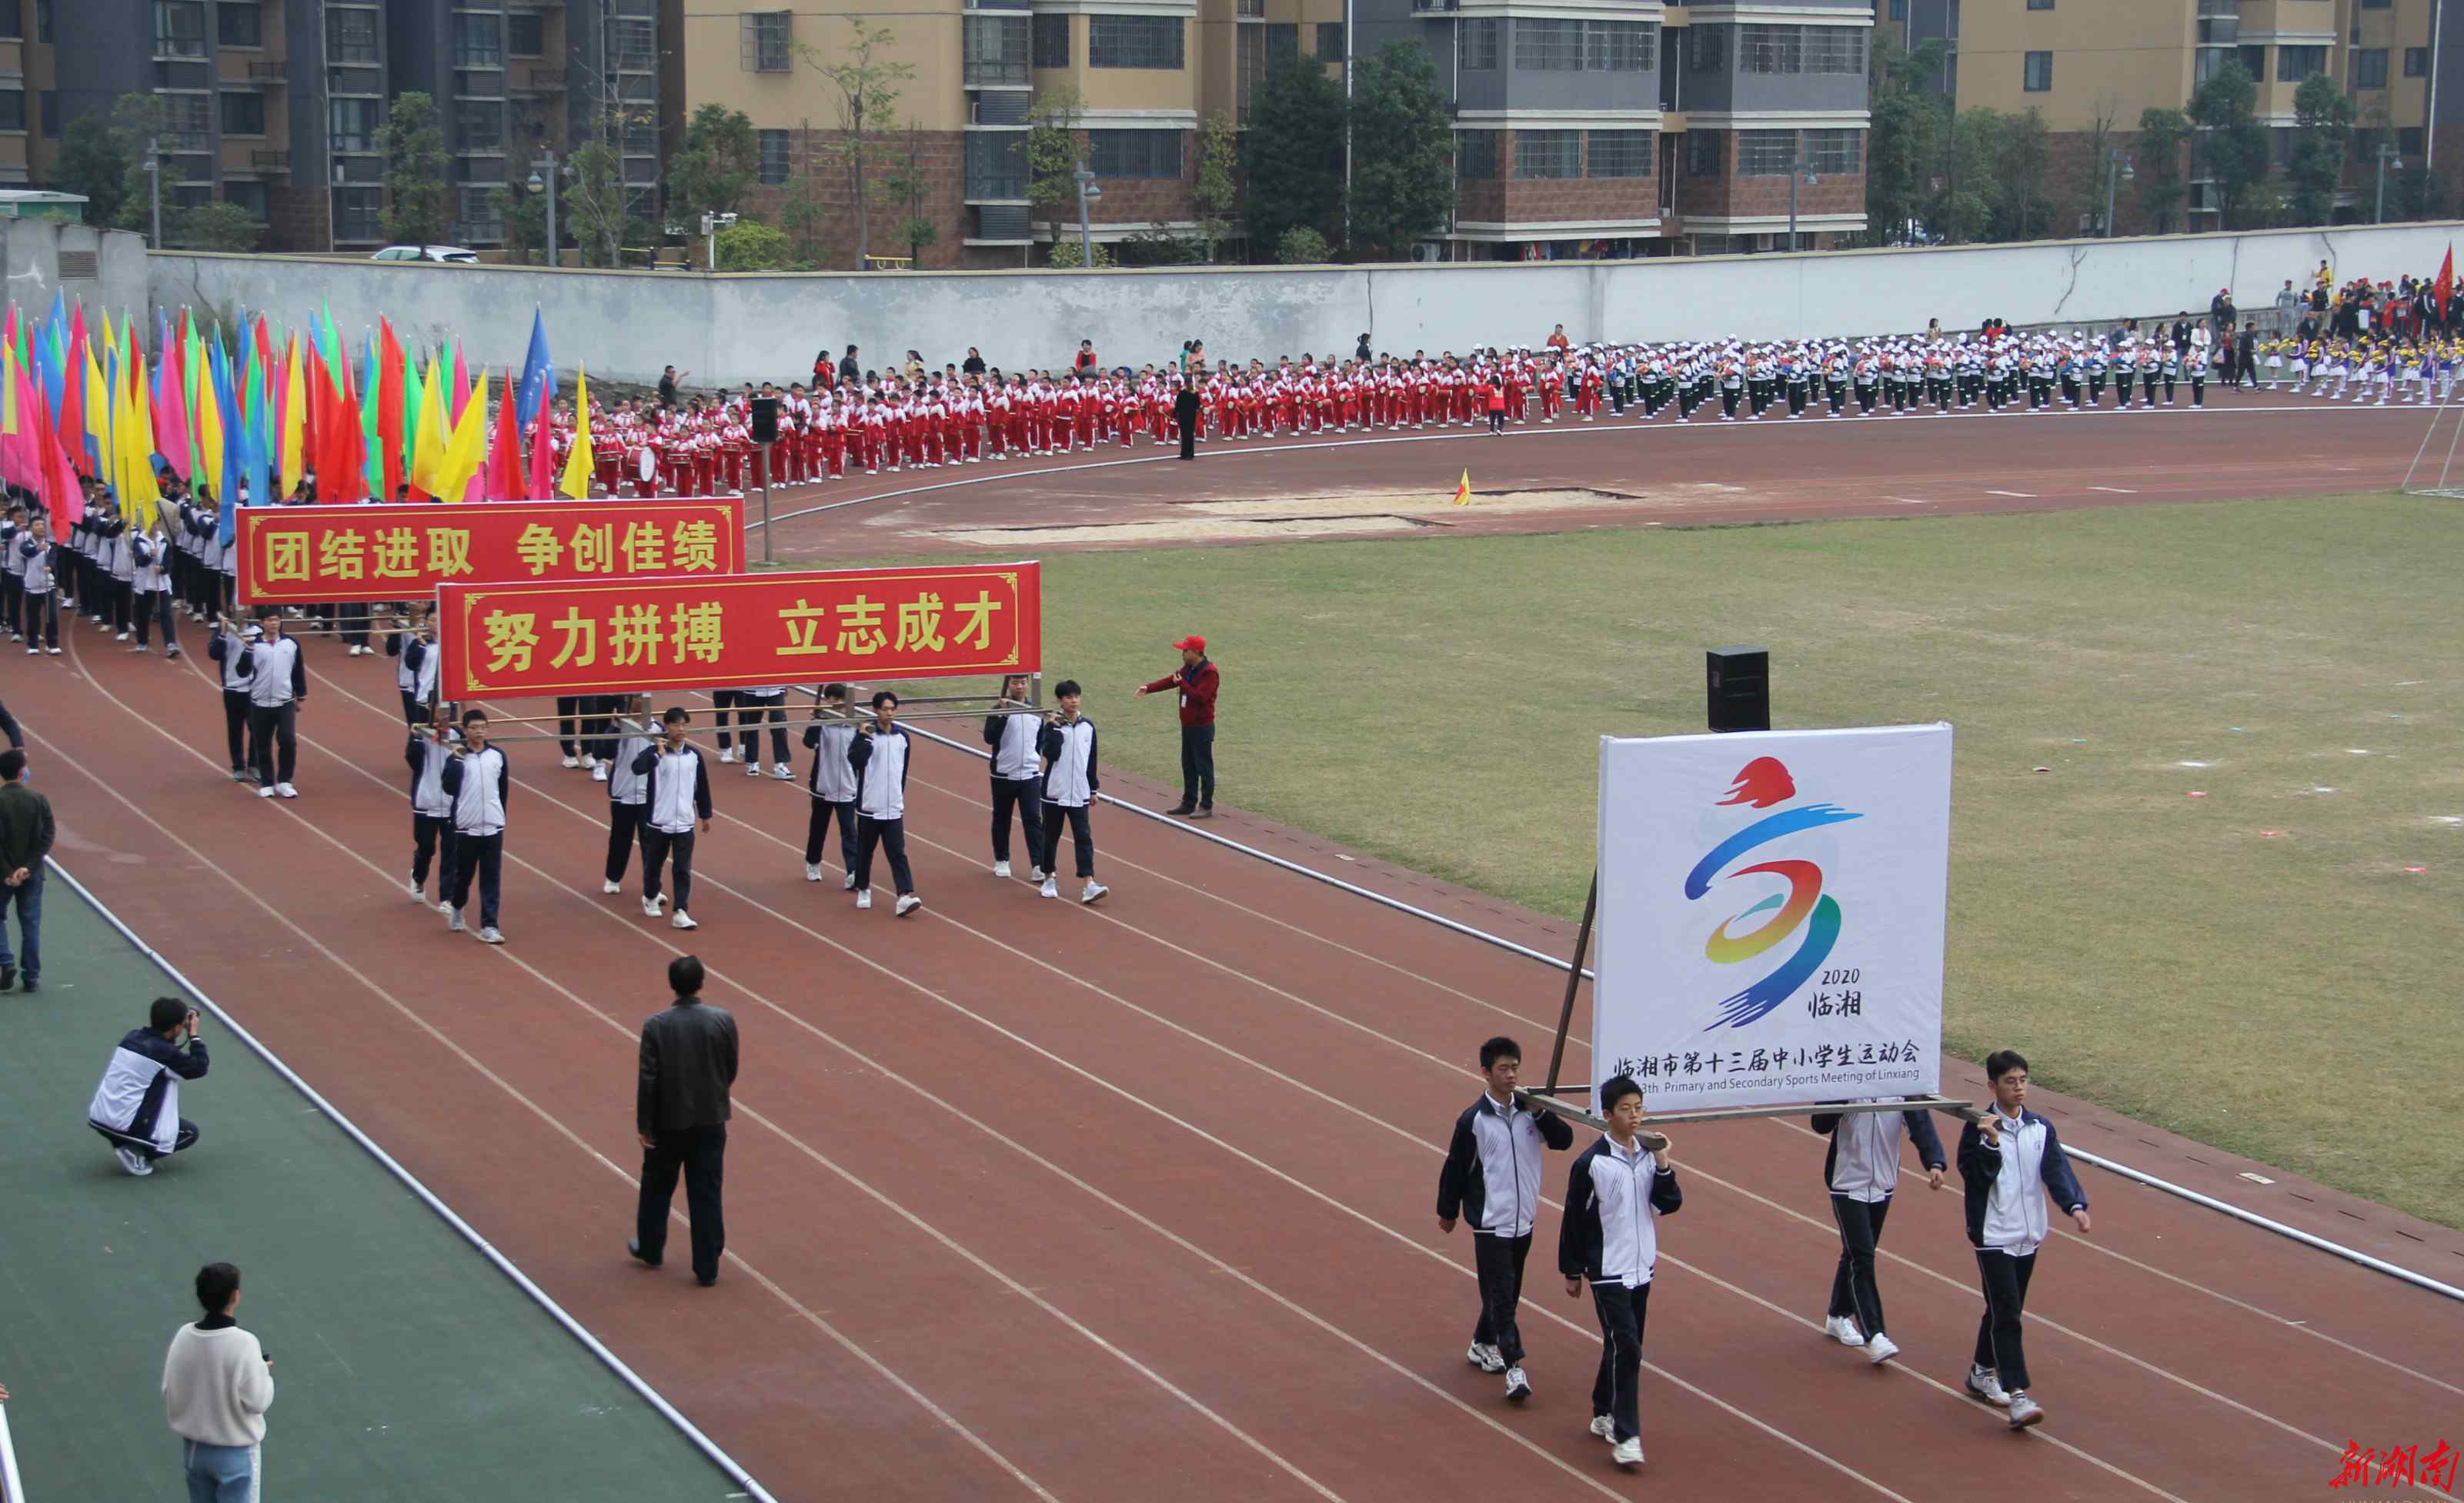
x: 2092, y: 65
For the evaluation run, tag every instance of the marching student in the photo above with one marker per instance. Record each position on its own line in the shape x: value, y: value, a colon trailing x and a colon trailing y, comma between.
x: 136, y: 1105
x: 431, y: 810
x: 1861, y: 1166
x: 415, y: 662
x: 2008, y: 1163
x: 1610, y: 1237
x: 1491, y: 1178
x: 34, y: 562
x: 677, y: 787
x: 277, y: 686
x: 830, y: 738
x: 1068, y: 748
x: 230, y: 647
x: 476, y: 779
x: 878, y: 757
x: 753, y: 706
x: 1015, y: 736
x: 149, y: 555
x: 629, y: 792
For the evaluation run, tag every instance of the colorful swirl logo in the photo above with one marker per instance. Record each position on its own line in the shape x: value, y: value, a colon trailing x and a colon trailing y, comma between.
x: 1761, y: 784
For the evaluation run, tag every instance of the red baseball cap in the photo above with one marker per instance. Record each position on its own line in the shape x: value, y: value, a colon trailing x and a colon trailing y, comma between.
x: 1191, y: 643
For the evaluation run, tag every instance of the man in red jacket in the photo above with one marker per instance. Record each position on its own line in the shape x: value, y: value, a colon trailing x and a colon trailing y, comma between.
x: 1197, y: 681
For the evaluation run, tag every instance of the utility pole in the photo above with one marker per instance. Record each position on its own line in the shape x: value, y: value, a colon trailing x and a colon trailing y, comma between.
x: 154, y: 180
x: 543, y: 174
x: 2386, y: 155
x: 1796, y: 174
x: 2118, y: 167
x: 1088, y: 191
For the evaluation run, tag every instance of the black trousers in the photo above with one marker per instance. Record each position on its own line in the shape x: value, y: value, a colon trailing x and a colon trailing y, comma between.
x: 352, y: 617
x: 1026, y: 794
x: 1615, y: 1391
x: 624, y: 833
x: 12, y: 599
x: 657, y: 846
x: 1197, y: 765
x: 273, y: 734
x: 1082, y: 837
x: 1499, y: 1262
x: 1999, y: 1345
x: 42, y: 618
x: 181, y: 1141
x: 432, y: 836
x: 723, y: 700
x: 480, y: 856
x: 414, y: 709
x: 817, y: 829
x: 891, y: 835
x: 1853, y: 1292
x: 235, y: 729
x: 750, y: 713
x: 701, y: 1154
x: 154, y: 607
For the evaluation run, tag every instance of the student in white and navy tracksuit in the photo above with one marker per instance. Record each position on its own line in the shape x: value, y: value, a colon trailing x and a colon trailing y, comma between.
x: 1491, y: 1178
x: 629, y: 792
x: 277, y: 685
x: 2009, y: 1165
x: 676, y: 792
x: 1013, y: 735
x: 1066, y: 750
x: 149, y: 559
x: 1861, y: 1166
x: 879, y: 757
x: 477, y: 781
x: 1610, y: 1238
x: 830, y: 738
x: 34, y: 559
x: 414, y: 669
x: 431, y: 809
x: 230, y: 647
x: 136, y: 1106
x: 754, y: 706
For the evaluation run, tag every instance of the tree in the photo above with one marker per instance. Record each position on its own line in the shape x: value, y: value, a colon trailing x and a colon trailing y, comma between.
x: 864, y: 86
x: 591, y: 202
x: 2023, y: 157
x: 1403, y: 184
x: 93, y: 159
x: 2231, y: 140
x: 217, y: 226
x: 1965, y: 205
x: 525, y: 218
x: 419, y: 199
x: 1292, y: 152
x: 1055, y: 148
x: 1900, y: 150
x: 1217, y: 194
x: 136, y: 120
x: 802, y: 209
x: 2158, y: 162
x: 1302, y: 246
x: 2322, y: 137
x: 718, y: 161
x: 2416, y: 193
x: 749, y: 245
x: 906, y: 186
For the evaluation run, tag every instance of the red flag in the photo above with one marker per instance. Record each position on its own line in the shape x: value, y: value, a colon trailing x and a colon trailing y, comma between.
x: 349, y: 445
x: 389, y: 367
x: 503, y: 475
x: 2447, y: 278
x: 543, y: 481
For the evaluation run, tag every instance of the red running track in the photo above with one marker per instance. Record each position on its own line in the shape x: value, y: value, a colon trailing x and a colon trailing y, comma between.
x: 1032, y: 1199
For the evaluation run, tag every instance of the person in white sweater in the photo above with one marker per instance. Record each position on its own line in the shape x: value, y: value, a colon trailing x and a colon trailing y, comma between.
x: 218, y: 1384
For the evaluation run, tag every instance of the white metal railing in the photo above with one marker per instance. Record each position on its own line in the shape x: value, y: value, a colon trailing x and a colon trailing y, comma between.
x: 12, y: 1488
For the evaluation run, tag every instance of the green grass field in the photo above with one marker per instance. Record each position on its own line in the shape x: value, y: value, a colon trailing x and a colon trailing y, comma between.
x: 2285, y: 996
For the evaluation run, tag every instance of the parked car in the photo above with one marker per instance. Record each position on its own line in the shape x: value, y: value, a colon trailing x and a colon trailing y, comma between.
x: 453, y: 254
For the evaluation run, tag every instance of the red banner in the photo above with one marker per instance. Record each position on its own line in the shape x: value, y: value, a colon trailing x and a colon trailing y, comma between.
x: 293, y: 554
x: 746, y: 632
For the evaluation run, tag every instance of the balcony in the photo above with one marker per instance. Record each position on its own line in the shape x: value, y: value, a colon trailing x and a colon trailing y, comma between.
x: 1253, y: 10
x: 1428, y: 7
x: 269, y: 73
x: 997, y: 189
x: 538, y: 80
x: 171, y: 140
x: 265, y: 161
x: 997, y: 73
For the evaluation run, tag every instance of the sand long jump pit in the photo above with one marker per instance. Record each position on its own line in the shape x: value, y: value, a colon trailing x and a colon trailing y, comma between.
x: 1327, y: 513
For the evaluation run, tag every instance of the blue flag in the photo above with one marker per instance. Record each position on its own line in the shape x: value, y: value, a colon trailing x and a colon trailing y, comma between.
x: 538, y: 375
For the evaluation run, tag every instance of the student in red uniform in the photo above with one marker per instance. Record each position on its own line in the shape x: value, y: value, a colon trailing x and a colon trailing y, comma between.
x: 1197, y: 683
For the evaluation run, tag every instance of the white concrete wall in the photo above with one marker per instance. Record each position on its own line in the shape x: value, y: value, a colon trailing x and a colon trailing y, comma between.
x: 29, y: 258
x: 730, y: 329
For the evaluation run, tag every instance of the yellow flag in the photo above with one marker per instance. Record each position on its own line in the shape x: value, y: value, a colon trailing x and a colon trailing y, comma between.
x: 1463, y: 490
x: 468, y: 449
x: 139, y: 496
x: 576, y: 483
x: 427, y: 451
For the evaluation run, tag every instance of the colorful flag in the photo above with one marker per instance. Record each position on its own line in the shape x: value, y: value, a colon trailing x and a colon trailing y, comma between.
x: 577, y: 463
x: 538, y: 375
x: 1463, y: 490
x: 467, y: 449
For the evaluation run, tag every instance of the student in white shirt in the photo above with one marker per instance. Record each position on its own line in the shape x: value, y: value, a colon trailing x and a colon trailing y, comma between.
x: 1067, y: 752
x: 830, y: 737
x: 1014, y: 731
x: 1861, y: 1166
x: 431, y: 809
x: 476, y: 779
x: 676, y: 792
x: 879, y: 759
x: 1610, y: 1238
x: 277, y: 686
x: 2010, y: 1162
x: 629, y: 792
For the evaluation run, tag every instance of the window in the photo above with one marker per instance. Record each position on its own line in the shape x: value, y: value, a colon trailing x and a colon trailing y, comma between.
x: 1138, y: 41
x: 238, y: 25
x: 2416, y: 62
x: 1051, y: 41
x: 187, y: 115
x: 1545, y: 47
x: 2040, y: 5
x: 1703, y: 153
x: 1833, y: 153
x: 1249, y: 60
x: 996, y: 165
x: 42, y: 20
x: 350, y: 36
x: 354, y: 123
x: 1581, y: 46
x: 1764, y: 153
x: 179, y: 29
x: 1283, y: 43
x: 1618, y: 153
x: 2369, y: 68
x: 49, y: 100
x: 2036, y: 74
x: 2408, y: 141
x: 478, y: 40
x: 1330, y: 41
x: 13, y: 20
x: 2253, y: 60
x: 1899, y: 9
x: 775, y: 156
x: 996, y: 50
x: 251, y: 196
x: 526, y: 34
x: 481, y: 217
x: 2293, y: 64
x: 355, y: 212
x: 763, y: 42
x: 1834, y: 50
x: 2283, y: 138
x: 1547, y: 153
x: 1476, y: 41
x: 243, y: 114
x: 1133, y: 153
x: 12, y: 109
x: 1710, y: 48
x: 1772, y: 48
x: 479, y: 125
x: 632, y: 45
x: 2375, y: 5
x: 1476, y: 153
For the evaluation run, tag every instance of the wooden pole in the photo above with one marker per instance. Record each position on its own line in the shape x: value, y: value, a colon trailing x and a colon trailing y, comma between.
x: 1574, y: 979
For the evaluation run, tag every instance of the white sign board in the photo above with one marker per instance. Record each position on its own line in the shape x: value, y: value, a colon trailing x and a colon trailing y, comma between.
x: 1771, y: 916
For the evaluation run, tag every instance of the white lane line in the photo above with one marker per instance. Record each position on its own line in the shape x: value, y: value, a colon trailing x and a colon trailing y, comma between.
x: 2024, y: 494
x: 2114, y: 489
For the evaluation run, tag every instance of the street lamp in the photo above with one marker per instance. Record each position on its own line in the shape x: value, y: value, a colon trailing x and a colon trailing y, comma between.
x: 2118, y: 170
x: 1088, y: 192
x: 2387, y: 158
x: 711, y: 224
x: 1796, y: 174
x: 154, y: 179
x: 543, y: 176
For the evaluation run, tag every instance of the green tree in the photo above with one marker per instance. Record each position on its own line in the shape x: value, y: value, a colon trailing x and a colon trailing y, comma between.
x: 1965, y: 208
x: 2158, y: 162
x: 525, y: 218
x: 1055, y: 147
x: 1217, y: 194
x: 2231, y: 139
x: 93, y: 159
x: 137, y: 119
x: 717, y: 163
x: 1403, y: 184
x: 1292, y: 152
x: 1900, y: 146
x: 2023, y: 162
x: 2322, y: 137
x: 864, y: 87
x: 418, y: 196
x: 749, y: 245
x: 1302, y: 246
x: 217, y: 226
x: 2416, y: 193
x: 590, y: 205
x: 906, y: 186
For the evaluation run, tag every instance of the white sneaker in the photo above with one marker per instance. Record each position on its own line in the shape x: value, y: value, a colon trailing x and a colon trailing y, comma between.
x: 846, y: 881
x: 1604, y: 1427
x: 752, y: 767
x: 134, y: 1162
x: 2025, y: 1411
x: 491, y: 937
x: 1484, y: 1358
x: 286, y: 790
x: 573, y: 761
x: 726, y: 755
x: 1000, y: 869
x: 611, y: 888
x: 1880, y: 1349
x: 265, y: 793
x: 444, y: 905
x: 783, y: 772
x: 864, y: 898
x: 418, y: 893
x: 1094, y: 890
x: 1048, y: 887
x: 682, y: 920
x: 653, y: 907
x: 908, y: 903
x: 123, y: 637
x: 452, y: 920
x: 1628, y: 1453
x: 599, y: 773
x: 1517, y: 1386
x: 1036, y: 873
x: 812, y: 871
x: 1842, y: 1329
x: 1985, y: 1383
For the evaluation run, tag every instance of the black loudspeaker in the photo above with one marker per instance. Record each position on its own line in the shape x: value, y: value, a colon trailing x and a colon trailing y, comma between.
x: 765, y: 420
x: 1739, y: 681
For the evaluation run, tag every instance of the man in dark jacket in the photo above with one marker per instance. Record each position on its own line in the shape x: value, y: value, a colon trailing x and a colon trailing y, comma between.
x: 680, y: 1113
x: 25, y: 839
x: 1197, y: 683
x: 1185, y: 415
